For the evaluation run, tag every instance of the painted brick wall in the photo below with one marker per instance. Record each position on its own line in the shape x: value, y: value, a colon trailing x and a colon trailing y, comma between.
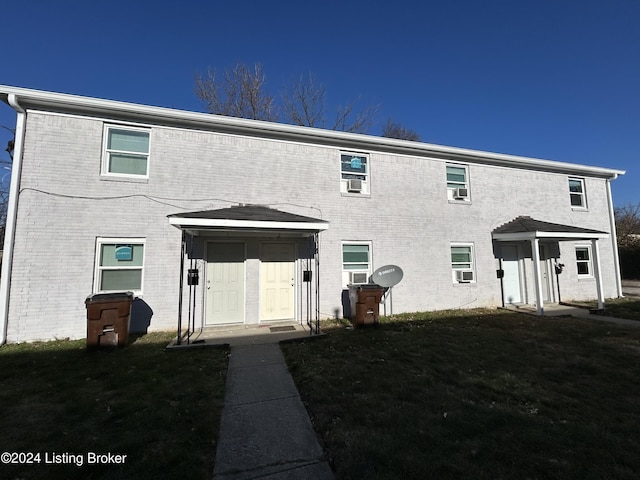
x: 64, y: 205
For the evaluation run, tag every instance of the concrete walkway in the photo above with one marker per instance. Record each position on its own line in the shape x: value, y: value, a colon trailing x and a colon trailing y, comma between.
x: 265, y: 431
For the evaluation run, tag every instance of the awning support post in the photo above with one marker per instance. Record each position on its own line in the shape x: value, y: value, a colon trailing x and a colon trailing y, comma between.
x: 535, y: 254
x: 597, y: 272
x: 182, y: 249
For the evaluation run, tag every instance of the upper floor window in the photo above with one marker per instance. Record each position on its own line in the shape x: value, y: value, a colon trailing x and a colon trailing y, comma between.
x: 354, y: 172
x: 577, y: 193
x: 462, y: 264
x: 119, y: 265
x: 126, y: 151
x: 458, y: 182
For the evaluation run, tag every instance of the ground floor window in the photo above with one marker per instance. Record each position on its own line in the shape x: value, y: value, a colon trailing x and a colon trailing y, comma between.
x: 356, y: 262
x: 583, y: 261
x: 462, y: 264
x: 119, y: 265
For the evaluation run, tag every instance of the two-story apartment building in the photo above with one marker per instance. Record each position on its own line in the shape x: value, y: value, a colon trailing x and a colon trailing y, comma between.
x: 277, y: 220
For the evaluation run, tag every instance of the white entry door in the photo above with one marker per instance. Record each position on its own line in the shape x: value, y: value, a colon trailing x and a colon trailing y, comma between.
x: 225, y: 283
x: 277, y: 282
x: 511, y: 279
x: 545, y: 273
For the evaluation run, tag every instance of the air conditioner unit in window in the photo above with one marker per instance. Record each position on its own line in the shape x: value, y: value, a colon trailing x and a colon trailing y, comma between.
x: 354, y: 185
x: 358, y: 277
x: 461, y: 193
x: 464, y: 276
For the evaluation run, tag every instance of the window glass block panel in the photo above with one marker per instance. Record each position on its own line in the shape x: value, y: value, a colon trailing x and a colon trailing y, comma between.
x: 128, y: 164
x: 355, y: 253
x: 121, y: 280
x: 128, y: 141
x: 575, y: 186
x: 354, y: 164
x: 576, y: 200
x: 109, y: 257
x: 456, y: 174
x: 356, y: 266
x: 583, y: 268
x: 460, y: 254
x: 582, y: 253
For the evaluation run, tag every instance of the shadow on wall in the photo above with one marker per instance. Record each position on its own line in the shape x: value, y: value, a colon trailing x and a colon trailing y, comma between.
x: 141, y: 314
x: 346, y: 304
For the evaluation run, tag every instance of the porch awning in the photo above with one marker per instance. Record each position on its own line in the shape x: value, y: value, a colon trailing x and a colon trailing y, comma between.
x: 527, y: 228
x: 247, y: 219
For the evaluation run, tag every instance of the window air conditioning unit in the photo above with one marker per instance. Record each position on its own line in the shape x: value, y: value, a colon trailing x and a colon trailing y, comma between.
x: 358, y: 277
x: 464, y: 276
x: 354, y: 185
x: 461, y: 193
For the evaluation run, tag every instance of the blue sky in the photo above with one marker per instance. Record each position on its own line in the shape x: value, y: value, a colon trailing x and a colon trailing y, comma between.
x: 551, y: 79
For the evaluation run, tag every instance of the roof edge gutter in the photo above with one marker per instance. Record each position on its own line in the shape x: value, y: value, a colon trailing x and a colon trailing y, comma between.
x: 614, y: 239
x: 12, y: 210
x: 65, y: 102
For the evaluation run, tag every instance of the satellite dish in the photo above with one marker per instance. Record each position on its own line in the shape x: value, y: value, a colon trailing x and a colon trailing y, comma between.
x: 387, y: 276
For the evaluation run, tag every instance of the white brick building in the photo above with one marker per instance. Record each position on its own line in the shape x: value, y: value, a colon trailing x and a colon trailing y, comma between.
x: 102, y: 192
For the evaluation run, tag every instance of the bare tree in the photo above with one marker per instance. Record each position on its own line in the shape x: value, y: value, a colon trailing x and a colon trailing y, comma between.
x: 240, y: 94
x: 348, y: 120
x: 628, y: 226
x: 5, y: 180
x: 628, y: 229
x: 392, y: 129
x: 303, y: 102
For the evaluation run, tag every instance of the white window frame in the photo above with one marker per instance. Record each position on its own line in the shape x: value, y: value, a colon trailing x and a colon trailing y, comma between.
x: 106, y: 152
x: 466, y: 184
x: 582, y: 194
x: 588, y: 261
x: 345, y: 273
x: 366, y: 189
x: 455, y: 269
x: 98, y: 269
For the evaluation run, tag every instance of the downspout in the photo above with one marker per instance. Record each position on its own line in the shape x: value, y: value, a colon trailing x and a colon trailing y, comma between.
x: 12, y: 210
x: 614, y: 238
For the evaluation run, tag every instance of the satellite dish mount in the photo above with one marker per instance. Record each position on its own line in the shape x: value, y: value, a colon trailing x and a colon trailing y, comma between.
x: 387, y: 277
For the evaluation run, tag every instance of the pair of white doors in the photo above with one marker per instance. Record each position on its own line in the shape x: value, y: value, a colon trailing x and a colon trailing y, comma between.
x: 226, y: 282
x: 512, y: 280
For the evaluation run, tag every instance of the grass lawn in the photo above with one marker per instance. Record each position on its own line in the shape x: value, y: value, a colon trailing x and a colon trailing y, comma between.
x: 627, y: 307
x: 161, y: 409
x: 473, y: 395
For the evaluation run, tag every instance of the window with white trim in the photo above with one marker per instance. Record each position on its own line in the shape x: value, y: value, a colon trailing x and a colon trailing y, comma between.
x: 458, y: 183
x: 356, y: 262
x: 126, y: 152
x: 119, y: 265
x: 354, y: 173
x: 462, y: 263
x: 577, y: 193
x: 584, y: 261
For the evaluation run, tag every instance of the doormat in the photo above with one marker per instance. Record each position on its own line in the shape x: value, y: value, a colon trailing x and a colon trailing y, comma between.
x: 287, y: 328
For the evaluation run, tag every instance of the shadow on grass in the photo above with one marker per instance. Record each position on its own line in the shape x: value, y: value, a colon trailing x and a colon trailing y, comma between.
x: 627, y: 307
x: 160, y: 409
x: 474, y: 394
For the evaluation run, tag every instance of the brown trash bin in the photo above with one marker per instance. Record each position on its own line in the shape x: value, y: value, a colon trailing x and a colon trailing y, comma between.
x: 108, y: 319
x: 365, y: 303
